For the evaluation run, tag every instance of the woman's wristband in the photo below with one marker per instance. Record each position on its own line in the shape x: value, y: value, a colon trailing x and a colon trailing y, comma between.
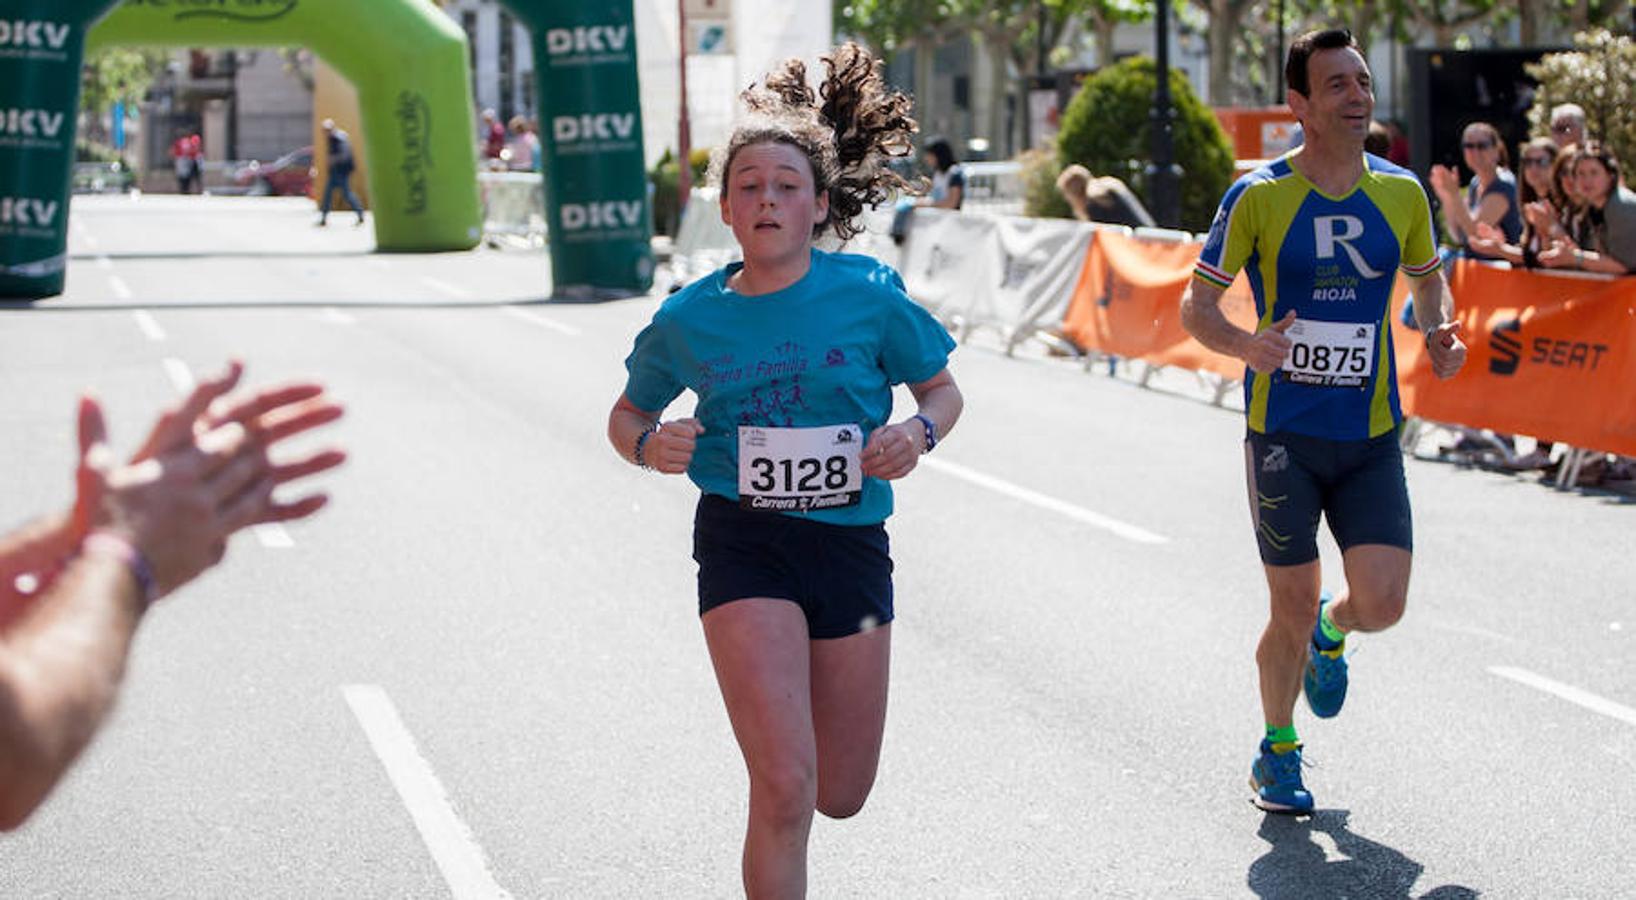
x: 641, y: 444
x: 106, y: 543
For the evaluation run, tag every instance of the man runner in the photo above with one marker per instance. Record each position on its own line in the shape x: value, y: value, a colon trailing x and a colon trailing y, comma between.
x: 1320, y: 233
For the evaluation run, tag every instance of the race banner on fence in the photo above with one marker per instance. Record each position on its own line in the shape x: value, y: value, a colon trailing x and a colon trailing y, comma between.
x: 942, y: 260
x: 1127, y: 303
x: 1551, y: 356
x: 1036, y: 264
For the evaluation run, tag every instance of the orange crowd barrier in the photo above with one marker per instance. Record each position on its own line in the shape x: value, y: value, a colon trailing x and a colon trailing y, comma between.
x: 1552, y: 357
x: 1127, y: 303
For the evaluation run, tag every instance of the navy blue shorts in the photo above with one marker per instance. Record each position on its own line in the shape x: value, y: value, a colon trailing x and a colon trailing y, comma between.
x: 1358, y: 486
x: 840, y: 575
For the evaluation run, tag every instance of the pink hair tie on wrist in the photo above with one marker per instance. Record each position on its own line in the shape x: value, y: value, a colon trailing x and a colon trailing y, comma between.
x: 113, y: 545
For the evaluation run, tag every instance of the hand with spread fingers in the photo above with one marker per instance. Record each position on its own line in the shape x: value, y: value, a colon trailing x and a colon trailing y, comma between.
x: 204, y: 472
x: 136, y: 532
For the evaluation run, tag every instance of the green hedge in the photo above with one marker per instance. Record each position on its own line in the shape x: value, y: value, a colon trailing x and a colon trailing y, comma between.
x: 1106, y: 129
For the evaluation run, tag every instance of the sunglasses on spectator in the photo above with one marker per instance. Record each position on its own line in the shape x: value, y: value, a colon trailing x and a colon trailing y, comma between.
x: 1478, y: 145
x: 1562, y: 127
x: 1537, y: 161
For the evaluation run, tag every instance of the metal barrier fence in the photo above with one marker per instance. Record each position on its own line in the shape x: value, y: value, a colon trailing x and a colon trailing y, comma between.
x: 513, y: 208
x: 993, y: 187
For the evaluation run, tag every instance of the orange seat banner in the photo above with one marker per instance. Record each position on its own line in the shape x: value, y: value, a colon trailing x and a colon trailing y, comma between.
x: 1550, y: 356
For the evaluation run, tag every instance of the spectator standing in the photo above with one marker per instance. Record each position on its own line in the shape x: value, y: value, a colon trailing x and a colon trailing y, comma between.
x: 1568, y: 125
x: 1397, y: 150
x: 524, y: 146
x: 341, y: 164
x: 1540, y: 197
x: 948, y: 180
x: 1607, y: 241
x: 493, y: 136
x: 1491, y: 197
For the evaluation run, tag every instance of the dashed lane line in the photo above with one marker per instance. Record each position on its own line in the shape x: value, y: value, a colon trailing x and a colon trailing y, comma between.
x: 451, y: 843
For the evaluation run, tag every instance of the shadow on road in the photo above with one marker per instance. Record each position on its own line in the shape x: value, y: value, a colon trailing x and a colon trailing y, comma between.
x: 1297, y: 866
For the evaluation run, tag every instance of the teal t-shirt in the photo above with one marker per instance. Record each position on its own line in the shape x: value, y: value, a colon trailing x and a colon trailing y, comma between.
x: 826, y: 350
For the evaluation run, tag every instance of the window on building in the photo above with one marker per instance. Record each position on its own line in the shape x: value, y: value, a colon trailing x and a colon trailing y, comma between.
x: 508, y: 66
x: 468, y: 22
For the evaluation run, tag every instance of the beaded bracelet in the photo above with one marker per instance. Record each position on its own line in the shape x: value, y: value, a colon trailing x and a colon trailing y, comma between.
x: 641, y: 442
x: 113, y: 545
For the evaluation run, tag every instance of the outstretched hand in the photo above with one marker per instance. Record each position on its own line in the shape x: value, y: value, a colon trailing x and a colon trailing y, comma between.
x: 204, y: 472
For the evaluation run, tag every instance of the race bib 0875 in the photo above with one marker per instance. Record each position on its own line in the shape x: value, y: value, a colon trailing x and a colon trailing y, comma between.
x: 1330, y: 354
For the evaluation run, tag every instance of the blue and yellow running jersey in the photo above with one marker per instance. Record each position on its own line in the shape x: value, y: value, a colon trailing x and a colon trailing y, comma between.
x: 1331, y: 260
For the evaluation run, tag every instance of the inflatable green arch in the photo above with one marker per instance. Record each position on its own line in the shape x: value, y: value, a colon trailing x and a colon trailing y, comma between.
x: 407, y: 60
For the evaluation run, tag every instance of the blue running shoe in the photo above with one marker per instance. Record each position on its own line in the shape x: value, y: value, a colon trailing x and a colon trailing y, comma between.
x: 1276, y: 779
x: 1325, y: 680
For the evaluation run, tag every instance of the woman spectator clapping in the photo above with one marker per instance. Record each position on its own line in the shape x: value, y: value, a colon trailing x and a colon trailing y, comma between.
x: 1491, y: 197
x: 1606, y: 239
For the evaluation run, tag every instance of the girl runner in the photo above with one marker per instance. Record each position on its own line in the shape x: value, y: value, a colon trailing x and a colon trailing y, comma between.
x: 792, y: 355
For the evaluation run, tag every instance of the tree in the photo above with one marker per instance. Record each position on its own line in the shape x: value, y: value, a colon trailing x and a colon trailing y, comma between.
x: 1226, y: 17
x: 1008, y: 30
x: 113, y: 75
x: 1106, y: 129
x: 1595, y: 75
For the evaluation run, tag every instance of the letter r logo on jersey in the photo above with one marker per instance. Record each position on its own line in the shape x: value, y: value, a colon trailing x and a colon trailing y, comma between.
x: 1327, y: 236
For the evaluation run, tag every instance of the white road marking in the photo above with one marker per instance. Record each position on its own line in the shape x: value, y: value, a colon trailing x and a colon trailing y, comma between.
x: 90, y: 240
x: 335, y: 316
x: 273, y: 536
x: 453, y: 848
x: 453, y: 290
x: 103, y: 262
x: 179, y: 375
x: 1017, y: 492
x: 377, y: 262
x: 1470, y: 630
x: 537, y: 319
x: 119, y: 287
x: 146, y: 322
x: 1569, y: 693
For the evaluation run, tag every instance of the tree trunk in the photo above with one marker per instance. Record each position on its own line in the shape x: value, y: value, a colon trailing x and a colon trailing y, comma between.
x: 1105, y: 28
x: 1225, y: 16
x: 1003, y: 140
x: 1580, y: 15
x: 1364, y: 22
x: 924, y: 69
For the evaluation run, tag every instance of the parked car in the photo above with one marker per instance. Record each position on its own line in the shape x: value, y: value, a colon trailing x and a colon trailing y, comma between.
x: 290, y: 175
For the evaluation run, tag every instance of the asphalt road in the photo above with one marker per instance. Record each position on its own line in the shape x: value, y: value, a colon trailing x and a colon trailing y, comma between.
x: 480, y: 673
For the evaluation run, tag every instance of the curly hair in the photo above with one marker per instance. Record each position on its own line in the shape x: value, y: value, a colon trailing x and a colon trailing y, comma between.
x: 847, y: 131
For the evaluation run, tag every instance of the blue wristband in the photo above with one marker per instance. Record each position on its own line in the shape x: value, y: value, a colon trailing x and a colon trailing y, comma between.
x: 931, y: 431
x: 641, y: 442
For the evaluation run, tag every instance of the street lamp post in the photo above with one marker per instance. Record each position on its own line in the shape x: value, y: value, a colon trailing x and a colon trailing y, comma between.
x: 684, y: 136
x: 1278, y: 61
x: 1162, y: 172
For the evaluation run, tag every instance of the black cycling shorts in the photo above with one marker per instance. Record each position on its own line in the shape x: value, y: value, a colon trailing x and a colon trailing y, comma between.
x: 1357, y: 486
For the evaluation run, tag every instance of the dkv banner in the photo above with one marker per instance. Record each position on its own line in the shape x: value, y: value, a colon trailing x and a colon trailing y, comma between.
x: 596, y: 197
x: 42, y: 44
